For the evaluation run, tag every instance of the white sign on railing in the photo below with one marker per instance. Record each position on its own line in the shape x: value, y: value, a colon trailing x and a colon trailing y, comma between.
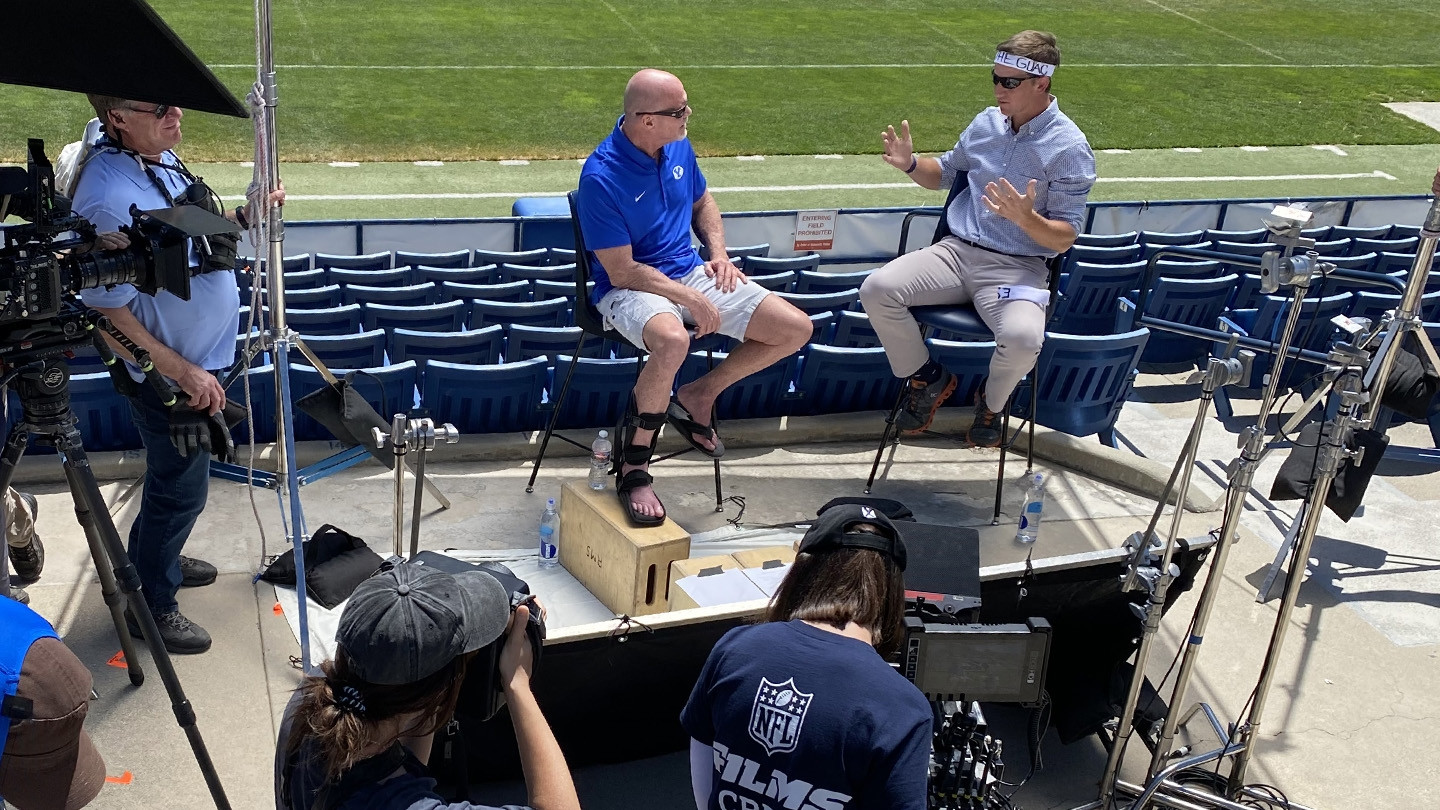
x: 814, y: 230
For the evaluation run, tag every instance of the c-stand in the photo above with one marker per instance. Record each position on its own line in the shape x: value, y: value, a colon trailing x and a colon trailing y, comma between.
x: 44, y: 388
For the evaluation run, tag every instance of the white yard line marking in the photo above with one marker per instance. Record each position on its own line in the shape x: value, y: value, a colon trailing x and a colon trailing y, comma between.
x: 829, y: 157
x: 494, y: 195
x: 343, y: 164
x: 1254, y: 149
x: 514, y: 162
x: 1115, y: 151
x: 636, y: 31
x: 756, y: 158
x: 1277, y: 57
x: 1328, y: 148
x: 855, y: 66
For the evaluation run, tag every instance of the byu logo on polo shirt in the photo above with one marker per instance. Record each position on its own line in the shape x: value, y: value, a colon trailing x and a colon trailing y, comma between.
x: 778, y: 714
x: 677, y: 172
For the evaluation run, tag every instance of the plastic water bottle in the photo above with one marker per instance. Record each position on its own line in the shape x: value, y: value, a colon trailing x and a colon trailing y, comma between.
x: 1030, y: 512
x: 549, y: 536
x: 600, y: 461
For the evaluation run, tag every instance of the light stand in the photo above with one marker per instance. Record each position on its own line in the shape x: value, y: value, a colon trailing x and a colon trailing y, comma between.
x: 405, y: 435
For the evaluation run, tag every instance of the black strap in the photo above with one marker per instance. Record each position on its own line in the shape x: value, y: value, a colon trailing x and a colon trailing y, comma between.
x: 148, y: 165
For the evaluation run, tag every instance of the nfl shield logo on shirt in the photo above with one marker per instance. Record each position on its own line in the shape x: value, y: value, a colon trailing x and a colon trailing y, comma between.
x: 778, y: 714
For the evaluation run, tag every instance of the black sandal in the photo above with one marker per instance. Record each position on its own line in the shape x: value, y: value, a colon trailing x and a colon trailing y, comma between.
x: 631, y: 453
x: 685, y: 424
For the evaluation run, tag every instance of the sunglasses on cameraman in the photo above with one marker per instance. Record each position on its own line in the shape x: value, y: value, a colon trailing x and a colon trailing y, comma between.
x: 677, y: 113
x: 160, y: 111
x: 1010, y: 82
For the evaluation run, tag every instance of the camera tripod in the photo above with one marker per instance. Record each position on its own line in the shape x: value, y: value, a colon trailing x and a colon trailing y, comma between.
x: 44, y: 389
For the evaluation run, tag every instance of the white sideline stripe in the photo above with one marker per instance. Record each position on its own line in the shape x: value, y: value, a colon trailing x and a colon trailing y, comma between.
x: 492, y: 195
x: 1331, y: 148
x: 856, y: 66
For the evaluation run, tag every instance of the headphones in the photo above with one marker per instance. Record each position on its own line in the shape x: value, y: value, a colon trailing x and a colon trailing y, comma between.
x: 832, y: 530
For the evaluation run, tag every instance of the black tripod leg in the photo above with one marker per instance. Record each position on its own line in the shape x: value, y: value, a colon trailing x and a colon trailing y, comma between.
x: 102, y: 529
x: 85, y: 511
x: 885, y: 436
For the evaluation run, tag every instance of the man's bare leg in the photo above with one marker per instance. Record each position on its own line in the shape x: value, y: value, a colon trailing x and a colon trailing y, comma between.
x: 667, y: 341
x: 777, y: 330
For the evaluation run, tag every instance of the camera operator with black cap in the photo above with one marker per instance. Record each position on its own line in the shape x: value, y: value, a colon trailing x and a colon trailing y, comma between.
x: 802, y: 710
x: 134, y: 162
x: 356, y: 737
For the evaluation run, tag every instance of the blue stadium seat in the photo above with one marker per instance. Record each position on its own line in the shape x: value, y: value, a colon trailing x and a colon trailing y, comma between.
x: 1405, y: 245
x: 312, y: 298
x: 396, y: 277
x: 532, y: 258
x: 1173, y: 238
x: 454, y: 259
x: 415, y: 295
x: 761, y: 395
x: 297, y: 264
x: 514, y: 292
x: 969, y: 361
x: 1360, y: 232
x: 446, y: 317
x: 261, y: 380
x: 490, y: 398
x: 558, y: 255
x: 389, y: 390
x: 598, y: 392
x: 520, y: 272
x: 1373, y: 305
x: 1256, y: 235
x: 368, y: 261
x: 1174, y: 268
x: 342, y: 320
x: 476, y: 347
x: 1335, y: 247
x: 822, y: 328
x: 838, y: 380
x: 1253, y: 249
x: 738, y: 255
x: 1102, y: 255
x: 305, y: 279
x: 853, y: 331
x: 360, y: 350
x: 779, y: 282
x: 814, y: 304
x: 1247, y: 293
x: 1088, y: 301
x: 486, y: 274
x: 815, y: 282
x: 539, y: 313
x: 765, y: 265
x: 245, y: 319
x: 1107, y: 239
x: 546, y: 290
x: 1193, y: 302
x: 1084, y: 381
x: 1314, y: 331
x: 525, y: 342
x: 104, y: 415
x: 1398, y: 231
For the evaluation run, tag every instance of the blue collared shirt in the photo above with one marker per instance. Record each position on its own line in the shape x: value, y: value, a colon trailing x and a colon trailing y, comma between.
x: 203, y: 329
x: 629, y: 198
x: 1049, y: 148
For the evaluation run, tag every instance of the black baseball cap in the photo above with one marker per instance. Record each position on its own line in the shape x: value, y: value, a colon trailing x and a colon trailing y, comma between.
x: 834, y: 529
x: 406, y: 623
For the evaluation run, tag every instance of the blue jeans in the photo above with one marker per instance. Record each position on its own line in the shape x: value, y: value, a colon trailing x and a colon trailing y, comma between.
x: 176, y: 488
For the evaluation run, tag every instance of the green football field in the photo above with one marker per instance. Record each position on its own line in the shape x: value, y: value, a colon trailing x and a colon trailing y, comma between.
x: 404, y: 81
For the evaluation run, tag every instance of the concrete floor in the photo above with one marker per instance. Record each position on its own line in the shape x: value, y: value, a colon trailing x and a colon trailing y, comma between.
x: 1350, y: 722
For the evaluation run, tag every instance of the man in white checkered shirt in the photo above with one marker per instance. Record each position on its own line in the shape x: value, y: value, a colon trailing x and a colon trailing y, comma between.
x: 1028, y: 169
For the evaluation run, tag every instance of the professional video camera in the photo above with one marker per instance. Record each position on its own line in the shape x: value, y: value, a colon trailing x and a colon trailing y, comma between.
x: 45, y: 263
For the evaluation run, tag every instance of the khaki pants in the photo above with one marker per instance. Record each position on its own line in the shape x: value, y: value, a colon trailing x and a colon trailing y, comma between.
x: 952, y: 272
x: 19, y: 522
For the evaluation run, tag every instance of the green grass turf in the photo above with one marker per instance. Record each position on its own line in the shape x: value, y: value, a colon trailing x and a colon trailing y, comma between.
x: 1136, y: 74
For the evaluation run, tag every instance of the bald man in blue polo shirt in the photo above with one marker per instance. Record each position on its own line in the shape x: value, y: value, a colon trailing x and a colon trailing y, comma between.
x: 641, y: 192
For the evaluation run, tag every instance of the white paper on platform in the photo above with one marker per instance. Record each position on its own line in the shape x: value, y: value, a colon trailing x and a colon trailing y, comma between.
x: 766, y: 579
x: 723, y: 588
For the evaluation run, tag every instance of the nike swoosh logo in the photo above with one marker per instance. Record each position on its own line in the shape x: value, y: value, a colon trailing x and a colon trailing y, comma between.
x: 642, y: 194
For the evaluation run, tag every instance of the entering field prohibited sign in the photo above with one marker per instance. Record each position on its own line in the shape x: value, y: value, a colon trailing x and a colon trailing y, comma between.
x: 815, y: 230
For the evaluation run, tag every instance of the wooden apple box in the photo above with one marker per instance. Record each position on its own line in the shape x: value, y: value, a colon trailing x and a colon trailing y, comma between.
x: 626, y: 567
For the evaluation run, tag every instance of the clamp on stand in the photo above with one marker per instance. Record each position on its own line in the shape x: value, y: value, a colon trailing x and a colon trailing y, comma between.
x: 420, y: 435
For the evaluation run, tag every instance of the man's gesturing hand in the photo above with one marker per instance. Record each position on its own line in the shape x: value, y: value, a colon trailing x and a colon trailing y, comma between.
x: 727, y: 276
x: 1002, y: 198
x: 899, y: 149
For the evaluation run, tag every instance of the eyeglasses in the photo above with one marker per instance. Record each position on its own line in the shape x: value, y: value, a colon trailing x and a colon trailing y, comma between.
x: 160, y: 111
x: 1010, y: 82
x: 679, y: 112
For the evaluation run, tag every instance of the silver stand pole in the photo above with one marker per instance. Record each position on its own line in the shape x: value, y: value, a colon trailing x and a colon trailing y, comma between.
x: 421, y: 435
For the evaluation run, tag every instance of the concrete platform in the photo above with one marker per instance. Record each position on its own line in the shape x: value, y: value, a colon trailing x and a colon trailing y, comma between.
x: 1350, y: 723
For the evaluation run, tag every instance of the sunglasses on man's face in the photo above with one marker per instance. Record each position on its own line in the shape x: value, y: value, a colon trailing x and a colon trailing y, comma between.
x: 1010, y: 82
x: 679, y: 112
x: 160, y: 110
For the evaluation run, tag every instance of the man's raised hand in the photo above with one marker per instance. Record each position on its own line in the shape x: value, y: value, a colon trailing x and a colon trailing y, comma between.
x: 1003, y: 199
x: 899, y: 149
